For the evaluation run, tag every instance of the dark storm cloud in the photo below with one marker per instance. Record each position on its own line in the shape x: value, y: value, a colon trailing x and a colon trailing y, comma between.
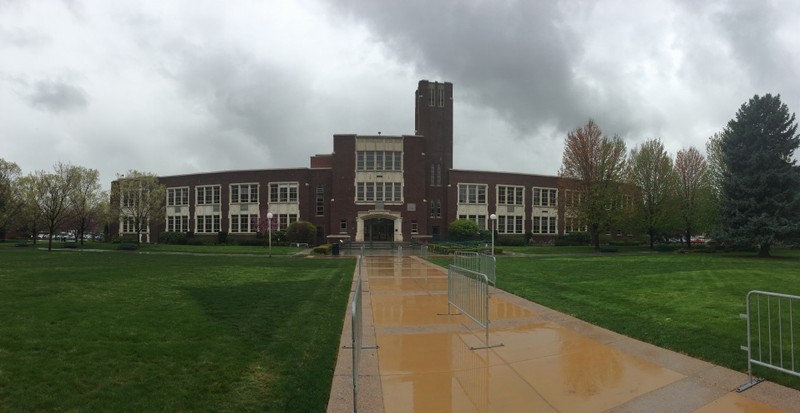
x: 57, y: 96
x: 511, y: 56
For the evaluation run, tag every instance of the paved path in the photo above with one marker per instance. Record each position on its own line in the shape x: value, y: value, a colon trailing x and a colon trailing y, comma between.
x: 549, y: 362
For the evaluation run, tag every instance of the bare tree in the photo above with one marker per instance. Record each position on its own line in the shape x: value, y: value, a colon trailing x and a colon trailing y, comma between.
x: 651, y: 173
x: 139, y: 198
x: 53, y: 192
x: 10, y: 203
x: 693, y: 191
x: 594, y: 166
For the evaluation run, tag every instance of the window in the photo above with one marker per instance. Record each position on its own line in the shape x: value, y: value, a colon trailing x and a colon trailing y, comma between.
x: 436, y: 174
x: 207, y: 195
x: 244, y: 193
x: 343, y: 226
x: 573, y: 198
x: 471, y: 194
x: 379, y: 161
x: 244, y: 223
x: 208, y: 223
x: 545, y: 197
x: 177, y: 196
x: 378, y: 192
x: 431, y: 94
x: 179, y: 223
x: 440, y: 89
x: 479, y: 219
x: 129, y: 198
x: 414, y: 227
x: 510, y: 195
x: 128, y: 225
x: 510, y: 224
x: 436, y: 209
x: 544, y: 225
x: 283, y: 192
x: 320, y: 200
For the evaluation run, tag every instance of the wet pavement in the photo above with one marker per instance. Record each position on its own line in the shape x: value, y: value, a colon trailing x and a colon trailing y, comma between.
x: 540, y: 360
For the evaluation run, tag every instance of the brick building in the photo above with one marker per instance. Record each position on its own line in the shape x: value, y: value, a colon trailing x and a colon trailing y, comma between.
x: 370, y: 188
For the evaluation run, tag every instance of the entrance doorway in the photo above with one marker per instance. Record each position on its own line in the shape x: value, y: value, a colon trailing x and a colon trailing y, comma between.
x: 378, y: 229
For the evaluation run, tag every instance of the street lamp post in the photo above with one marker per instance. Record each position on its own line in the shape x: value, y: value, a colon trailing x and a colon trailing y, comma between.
x: 269, y: 224
x: 493, y: 218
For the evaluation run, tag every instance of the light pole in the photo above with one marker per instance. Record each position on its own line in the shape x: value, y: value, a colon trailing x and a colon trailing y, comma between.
x: 493, y: 218
x: 269, y: 223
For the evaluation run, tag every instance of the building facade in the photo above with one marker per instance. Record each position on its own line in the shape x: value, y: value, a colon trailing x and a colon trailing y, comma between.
x: 370, y: 188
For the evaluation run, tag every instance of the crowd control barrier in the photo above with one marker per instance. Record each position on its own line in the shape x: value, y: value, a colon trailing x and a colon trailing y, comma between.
x: 468, y: 291
x: 772, y: 329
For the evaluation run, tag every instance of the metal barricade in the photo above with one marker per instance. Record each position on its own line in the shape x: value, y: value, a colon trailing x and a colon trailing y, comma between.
x: 771, y: 344
x: 357, y: 322
x: 468, y: 291
x: 475, y: 261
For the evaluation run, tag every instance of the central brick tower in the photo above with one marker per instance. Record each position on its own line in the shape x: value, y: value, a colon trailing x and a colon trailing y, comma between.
x: 434, y: 121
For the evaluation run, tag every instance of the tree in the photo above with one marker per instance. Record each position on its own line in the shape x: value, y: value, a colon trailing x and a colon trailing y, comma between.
x: 594, y: 166
x: 87, y: 197
x: 139, y: 199
x: 29, y: 219
x: 301, y: 231
x: 464, y: 229
x: 693, y: 192
x: 715, y: 160
x: 650, y: 171
x: 10, y: 202
x: 53, y: 194
x: 761, y: 180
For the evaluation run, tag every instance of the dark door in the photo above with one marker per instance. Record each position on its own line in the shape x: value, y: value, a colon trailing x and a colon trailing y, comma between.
x: 379, y: 229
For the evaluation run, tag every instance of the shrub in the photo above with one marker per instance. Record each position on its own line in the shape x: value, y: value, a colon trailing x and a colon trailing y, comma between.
x: 301, y: 231
x: 510, y: 240
x: 463, y: 229
x: 222, y: 237
x: 174, y: 238
x: 577, y: 239
x: 609, y: 248
x: 127, y: 247
x: 324, y: 249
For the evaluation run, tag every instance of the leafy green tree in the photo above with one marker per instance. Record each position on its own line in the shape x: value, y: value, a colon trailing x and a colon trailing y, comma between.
x: 594, y: 166
x: 761, y: 181
x: 138, y: 199
x: 301, y: 231
x: 463, y: 229
x: 693, y: 192
x: 10, y: 202
x: 650, y: 171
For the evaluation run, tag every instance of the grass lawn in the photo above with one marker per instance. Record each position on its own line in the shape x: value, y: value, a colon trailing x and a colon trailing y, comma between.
x: 196, y: 249
x: 689, y: 303
x: 117, y: 331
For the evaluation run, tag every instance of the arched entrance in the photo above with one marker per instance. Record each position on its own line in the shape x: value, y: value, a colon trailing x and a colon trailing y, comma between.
x: 378, y: 229
x: 379, y: 226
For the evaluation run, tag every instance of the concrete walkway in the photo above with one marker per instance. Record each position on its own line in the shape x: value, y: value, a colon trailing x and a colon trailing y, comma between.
x: 548, y: 361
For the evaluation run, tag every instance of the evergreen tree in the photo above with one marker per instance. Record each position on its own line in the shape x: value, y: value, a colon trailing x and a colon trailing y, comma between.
x: 761, y: 182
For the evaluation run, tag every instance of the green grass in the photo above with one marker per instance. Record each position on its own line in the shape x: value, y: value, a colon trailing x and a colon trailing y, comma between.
x: 689, y: 303
x: 195, y: 249
x: 114, y: 331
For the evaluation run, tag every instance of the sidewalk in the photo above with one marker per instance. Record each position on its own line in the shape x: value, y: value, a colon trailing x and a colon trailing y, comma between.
x: 549, y: 362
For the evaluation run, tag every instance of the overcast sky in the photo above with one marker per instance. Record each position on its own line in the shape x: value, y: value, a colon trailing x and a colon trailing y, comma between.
x: 178, y: 87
